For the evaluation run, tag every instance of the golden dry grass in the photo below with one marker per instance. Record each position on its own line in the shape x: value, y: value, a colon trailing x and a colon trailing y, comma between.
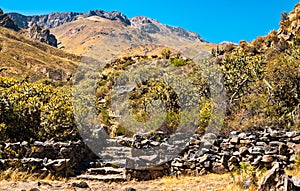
x: 294, y: 172
x: 15, y: 175
x: 209, y: 182
x: 21, y: 55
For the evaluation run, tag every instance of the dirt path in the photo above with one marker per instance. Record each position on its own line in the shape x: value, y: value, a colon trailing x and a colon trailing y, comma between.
x: 205, y: 183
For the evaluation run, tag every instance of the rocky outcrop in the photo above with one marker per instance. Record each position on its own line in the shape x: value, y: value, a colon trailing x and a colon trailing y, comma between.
x: 145, y: 24
x: 280, y: 40
x: 290, y: 24
x: 114, y: 15
x: 277, y: 180
x: 187, y: 34
x: 42, y: 35
x: 6, y: 22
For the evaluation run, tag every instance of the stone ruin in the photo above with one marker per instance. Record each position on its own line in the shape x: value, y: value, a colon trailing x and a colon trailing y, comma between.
x: 121, y: 157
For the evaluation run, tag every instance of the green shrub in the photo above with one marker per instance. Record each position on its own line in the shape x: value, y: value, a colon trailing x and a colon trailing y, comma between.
x: 178, y: 62
x: 34, y: 111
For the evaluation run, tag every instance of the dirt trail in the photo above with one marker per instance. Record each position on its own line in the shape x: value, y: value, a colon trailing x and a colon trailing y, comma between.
x: 207, y: 183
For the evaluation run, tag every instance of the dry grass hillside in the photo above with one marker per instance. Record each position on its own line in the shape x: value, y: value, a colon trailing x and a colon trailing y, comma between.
x: 20, y: 56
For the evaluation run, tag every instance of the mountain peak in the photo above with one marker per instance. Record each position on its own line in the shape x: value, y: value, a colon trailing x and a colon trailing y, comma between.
x: 153, y: 26
x: 113, y: 15
x: 140, y: 20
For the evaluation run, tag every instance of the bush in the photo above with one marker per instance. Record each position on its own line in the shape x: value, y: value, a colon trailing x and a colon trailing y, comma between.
x: 263, y: 88
x: 178, y: 62
x: 166, y: 53
x: 33, y: 111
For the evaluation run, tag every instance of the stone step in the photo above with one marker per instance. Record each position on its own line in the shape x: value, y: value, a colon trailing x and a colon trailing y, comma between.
x: 109, y: 177
x: 115, y: 153
x: 115, y: 162
x: 119, y: 149
x: 112, y: 143
x: 106, y: 156
x: 105, y: 170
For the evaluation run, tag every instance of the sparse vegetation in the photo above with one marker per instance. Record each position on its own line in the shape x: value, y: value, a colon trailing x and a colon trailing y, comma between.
x: 247, y: 175
x: 261, y: 80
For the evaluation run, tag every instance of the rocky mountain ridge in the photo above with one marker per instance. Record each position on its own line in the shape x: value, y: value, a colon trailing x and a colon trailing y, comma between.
x: 57, y: 19
x: 152, y: 26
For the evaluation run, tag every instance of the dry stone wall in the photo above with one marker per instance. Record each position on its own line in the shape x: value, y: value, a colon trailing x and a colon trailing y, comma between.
x: 260, y: 149
x: 201, y: 155
x: 58, y: 158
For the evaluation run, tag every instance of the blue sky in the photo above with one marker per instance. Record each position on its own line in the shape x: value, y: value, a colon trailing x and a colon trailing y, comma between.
x: 214, y: 20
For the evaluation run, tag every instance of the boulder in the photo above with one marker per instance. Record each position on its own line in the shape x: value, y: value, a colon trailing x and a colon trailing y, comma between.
x: 277, y: 180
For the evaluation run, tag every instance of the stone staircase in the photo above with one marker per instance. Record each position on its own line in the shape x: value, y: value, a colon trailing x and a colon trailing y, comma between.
x: 118, y: 162
x: 111, y: 165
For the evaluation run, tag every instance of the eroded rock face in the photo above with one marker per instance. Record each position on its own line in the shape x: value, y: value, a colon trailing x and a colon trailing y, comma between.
x: 6, y: 22
x: 42, y: 35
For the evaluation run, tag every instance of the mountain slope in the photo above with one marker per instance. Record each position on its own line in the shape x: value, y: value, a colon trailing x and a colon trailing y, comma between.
x: 20, y: 55
x: 103, y: 38
x: 152, y: 26
x: 104, y: 35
